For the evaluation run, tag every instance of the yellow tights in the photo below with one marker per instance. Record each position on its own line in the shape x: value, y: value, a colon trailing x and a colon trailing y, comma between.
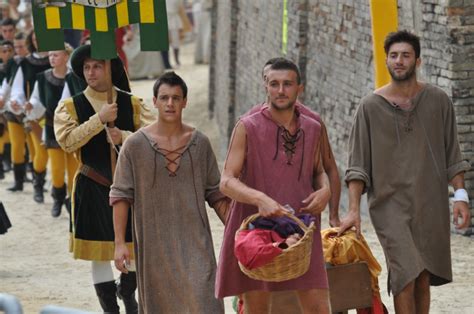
x: 18, y: 137
x: 40, y: 160
x: 60, y: 162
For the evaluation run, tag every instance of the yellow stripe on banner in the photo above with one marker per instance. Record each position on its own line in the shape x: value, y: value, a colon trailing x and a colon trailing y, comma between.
x: 53, y: 20
x: 101, y: 22
x: 122, y: 13
x: 147, y: 11
x: 78, y: 16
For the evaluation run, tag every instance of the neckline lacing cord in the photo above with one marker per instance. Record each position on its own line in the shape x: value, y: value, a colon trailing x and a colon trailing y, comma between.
x: 289, y: 144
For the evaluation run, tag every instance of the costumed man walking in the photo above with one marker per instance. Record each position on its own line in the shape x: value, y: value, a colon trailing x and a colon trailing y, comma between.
x: 20, y: 51
x: 43, y: 102
x: 165, y: 173
x: 327, y: 156
x: 403, y: 152
x: 22, y: 86
x: 6, y: 53
x: 79, y: 125
x: 262, y: 175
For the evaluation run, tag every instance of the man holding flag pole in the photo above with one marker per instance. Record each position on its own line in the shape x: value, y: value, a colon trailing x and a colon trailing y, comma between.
x: 96, y: 121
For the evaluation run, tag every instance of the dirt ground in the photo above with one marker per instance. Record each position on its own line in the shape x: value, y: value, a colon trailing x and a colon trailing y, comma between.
x: 35, y: 265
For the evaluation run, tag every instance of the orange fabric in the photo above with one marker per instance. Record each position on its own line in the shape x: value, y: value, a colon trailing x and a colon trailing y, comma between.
x: 377, y: 307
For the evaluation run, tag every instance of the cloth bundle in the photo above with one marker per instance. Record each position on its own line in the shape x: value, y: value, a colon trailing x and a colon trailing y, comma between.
x: 347, y: 249
x: 265, y: 239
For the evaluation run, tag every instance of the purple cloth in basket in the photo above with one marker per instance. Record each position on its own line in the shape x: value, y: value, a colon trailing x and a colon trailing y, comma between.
x: 284, y: 226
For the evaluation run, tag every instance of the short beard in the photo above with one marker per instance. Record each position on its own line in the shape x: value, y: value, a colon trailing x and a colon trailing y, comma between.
x: 290, y: 105
x: 405, y: 77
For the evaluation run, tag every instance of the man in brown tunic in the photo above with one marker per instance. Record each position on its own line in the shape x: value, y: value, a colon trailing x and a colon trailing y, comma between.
x: 166, y: 172
x: 403, y: 152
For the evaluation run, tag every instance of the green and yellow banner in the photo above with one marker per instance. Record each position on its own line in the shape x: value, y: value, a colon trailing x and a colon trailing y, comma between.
x: 101, y: 18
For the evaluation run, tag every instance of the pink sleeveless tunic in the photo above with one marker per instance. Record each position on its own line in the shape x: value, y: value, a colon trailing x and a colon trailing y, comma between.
x: 266, y: 169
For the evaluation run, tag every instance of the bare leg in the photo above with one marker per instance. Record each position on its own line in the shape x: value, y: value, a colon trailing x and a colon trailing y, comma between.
x: 256, y: 302
x: 314, y: 301
x: 422, y: 293
x: 405, y: 300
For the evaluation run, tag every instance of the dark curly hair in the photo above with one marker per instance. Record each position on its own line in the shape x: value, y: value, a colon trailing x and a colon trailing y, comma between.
x: 403, y: 37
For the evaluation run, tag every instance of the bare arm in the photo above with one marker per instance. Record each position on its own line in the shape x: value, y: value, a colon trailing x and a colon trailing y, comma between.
x: 460, y: 208
x: 356, y: 187
x: 222, y: 209
x: 317, y: 201
x: 120, y: 216
x: 232, y: 187
x: 329, y: 164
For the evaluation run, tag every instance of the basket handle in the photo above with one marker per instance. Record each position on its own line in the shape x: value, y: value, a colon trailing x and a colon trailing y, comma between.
x: 251, y: 218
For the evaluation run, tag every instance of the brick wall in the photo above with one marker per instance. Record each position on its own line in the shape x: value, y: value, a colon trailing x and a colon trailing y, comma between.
x: 331, y: 41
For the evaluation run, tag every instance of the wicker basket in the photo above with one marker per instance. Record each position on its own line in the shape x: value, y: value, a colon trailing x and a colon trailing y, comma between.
x: 292, y: 263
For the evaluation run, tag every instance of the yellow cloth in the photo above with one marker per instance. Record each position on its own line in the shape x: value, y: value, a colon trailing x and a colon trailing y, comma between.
x: 40, y: 160
x: 18, y: 137
x: 348, y: 249
x: 5, y: 138
x: 60, y: 163
x: 71, y: 136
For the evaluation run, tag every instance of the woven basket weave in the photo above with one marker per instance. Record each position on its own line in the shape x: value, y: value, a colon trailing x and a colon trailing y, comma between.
x: 292, y: 263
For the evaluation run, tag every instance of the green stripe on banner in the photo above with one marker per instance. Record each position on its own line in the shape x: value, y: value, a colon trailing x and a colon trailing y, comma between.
x: 284, y: 28
x: 89, y: 12
x: 133, y: 12
x: 103, y: 45
x: 112, y: 17
x: 47, y: 40
x: 155, y: 36
x: 66, y: 16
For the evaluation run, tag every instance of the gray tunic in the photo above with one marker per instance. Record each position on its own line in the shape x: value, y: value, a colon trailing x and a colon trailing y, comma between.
x: 406, y: 158
x: 173, y: 244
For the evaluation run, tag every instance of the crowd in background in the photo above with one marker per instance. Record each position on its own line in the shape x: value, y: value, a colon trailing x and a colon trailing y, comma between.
x: 20, y: 150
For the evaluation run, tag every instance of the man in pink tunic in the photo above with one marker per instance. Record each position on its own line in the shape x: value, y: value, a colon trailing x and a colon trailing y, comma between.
x: 274, y: 160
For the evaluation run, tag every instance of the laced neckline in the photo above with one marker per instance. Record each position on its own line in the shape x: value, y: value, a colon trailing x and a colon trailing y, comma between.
x: 167, y: 154
x: 172, y: 157
x: 290, y: 141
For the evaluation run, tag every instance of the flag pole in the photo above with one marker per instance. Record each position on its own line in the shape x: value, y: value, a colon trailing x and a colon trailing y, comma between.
x: 108, y: 76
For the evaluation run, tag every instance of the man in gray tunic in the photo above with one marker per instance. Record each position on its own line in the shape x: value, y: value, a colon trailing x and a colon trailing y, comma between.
x: 166, y: 172
x: 403, y: 152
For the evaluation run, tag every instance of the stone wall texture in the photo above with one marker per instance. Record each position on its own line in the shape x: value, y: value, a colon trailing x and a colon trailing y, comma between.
x: 331, y: 42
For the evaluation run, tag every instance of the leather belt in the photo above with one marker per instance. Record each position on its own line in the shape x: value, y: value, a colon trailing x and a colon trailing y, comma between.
x: 94, y: 175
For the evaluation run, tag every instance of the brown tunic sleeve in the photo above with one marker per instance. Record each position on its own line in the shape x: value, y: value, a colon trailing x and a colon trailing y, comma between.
x: 454, y: 162
x: 213, y: 176
x: 122, y: 187
x: 359, y: 162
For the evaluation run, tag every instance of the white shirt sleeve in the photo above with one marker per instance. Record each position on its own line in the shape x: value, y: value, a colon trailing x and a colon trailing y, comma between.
x: 4, y: 94
x: 38, y: 109
x: 17, y: 92
x: 5, y: 89
x: 66, y: 92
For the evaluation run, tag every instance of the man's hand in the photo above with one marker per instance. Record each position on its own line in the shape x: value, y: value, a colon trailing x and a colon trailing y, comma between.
x: 28, y: 107
x: 352, y: 219
x: 267, y: 207
x: 108, y: 113
x: 316, y: 202
x: 461, y: 209
x: 116, y: 135
x: 121, y: 257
